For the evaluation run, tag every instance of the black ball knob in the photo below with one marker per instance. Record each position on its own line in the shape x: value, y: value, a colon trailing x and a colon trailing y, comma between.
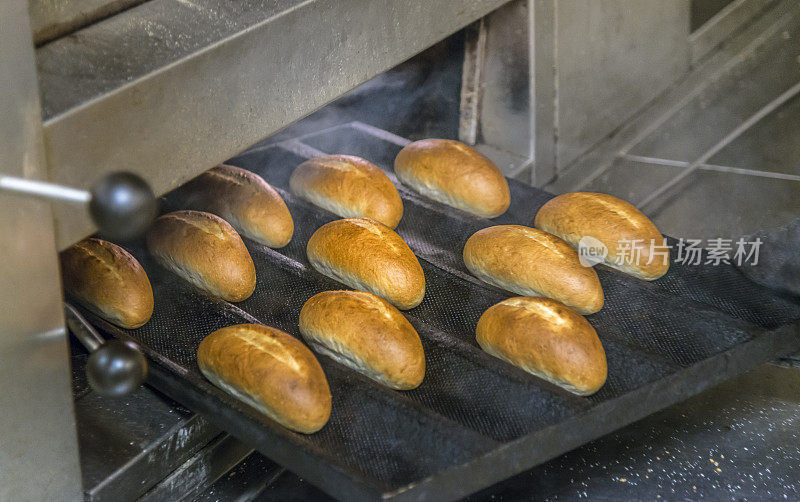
x: 116, y: 368
x: 122, y: 206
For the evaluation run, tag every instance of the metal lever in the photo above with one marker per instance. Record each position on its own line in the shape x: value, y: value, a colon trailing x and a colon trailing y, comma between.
x: 115, y: 368
x: 122, y: 205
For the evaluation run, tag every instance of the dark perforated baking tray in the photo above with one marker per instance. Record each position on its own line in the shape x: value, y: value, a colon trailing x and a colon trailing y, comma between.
x: 474, y: 420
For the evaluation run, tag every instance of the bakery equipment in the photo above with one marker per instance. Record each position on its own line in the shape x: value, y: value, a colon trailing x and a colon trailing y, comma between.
x: 149, y: 90
x: 121, y: 205
x: 144, y: 444
x: 474, y: 420
x: 114, y: 368
x: 169, y: 89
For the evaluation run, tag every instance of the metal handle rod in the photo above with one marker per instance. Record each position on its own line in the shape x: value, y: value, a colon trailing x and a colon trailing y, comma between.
x: 43, y: 189
x: 114, y: 368
x: 82, y: 330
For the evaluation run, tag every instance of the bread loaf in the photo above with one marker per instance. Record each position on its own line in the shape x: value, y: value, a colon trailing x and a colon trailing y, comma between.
x: 366, y: 333
x: 206, y: 251
x: 368, y: 256
x: 348, y: 186
x: 246, y: 201
x: 454, y: 174
x: 269, y: 370
x: 546, y: 338
x: 107, y: 280
x: 634, y: 244
x: 530, y: 262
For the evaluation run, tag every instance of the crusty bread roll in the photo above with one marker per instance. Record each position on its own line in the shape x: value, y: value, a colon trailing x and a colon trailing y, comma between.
x: 348, y: 186
x: 269, y: 370
x: 368, y: 256
x: 107, y: 280
x: 623, y: 229
x: 454, y: 174
x: 530, y: 262
x: 546, y: 338
x: 246, y: 201
x: 206, y: 251
x: 366, y: 333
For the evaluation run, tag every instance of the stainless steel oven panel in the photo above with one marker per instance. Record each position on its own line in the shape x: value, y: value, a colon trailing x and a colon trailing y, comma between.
x: 38, y: 445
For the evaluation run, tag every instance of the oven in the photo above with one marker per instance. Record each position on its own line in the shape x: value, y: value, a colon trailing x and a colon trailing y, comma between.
x: 166, y: 89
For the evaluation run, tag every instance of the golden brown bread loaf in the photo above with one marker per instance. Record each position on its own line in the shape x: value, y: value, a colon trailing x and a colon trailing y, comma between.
x: 366, y: 333
x: 612, y: 221
x: 246, y: 201
x: 206, y: 251
x: 546, y: 338
x: 269, y: 370
x: 368, y: 256
x: 454, y: 174
x: 348, y: 186
x: 107, y: 280
x: 530, y: 262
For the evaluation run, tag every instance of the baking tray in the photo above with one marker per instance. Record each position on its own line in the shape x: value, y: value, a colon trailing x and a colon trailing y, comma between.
x: 475, y: 420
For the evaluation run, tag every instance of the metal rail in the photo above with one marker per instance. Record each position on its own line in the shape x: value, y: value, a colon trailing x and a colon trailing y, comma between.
x: 711, y: 167
x: 773, y: 105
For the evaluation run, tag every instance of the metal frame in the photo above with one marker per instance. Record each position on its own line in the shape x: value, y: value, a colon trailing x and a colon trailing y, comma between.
x: 724, y: 24
x: 52, y: 19
x: 498, y: 89
x: 599, y: 160
x: 658, y: 195
x: 169, y: 89
x: 544, y: 81
x: 38, y: 445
